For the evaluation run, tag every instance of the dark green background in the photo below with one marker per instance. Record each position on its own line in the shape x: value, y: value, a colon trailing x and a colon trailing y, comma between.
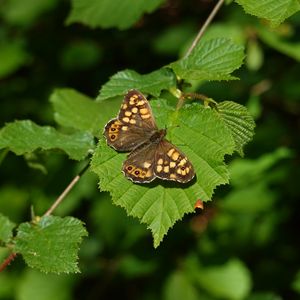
x: 255, y: 220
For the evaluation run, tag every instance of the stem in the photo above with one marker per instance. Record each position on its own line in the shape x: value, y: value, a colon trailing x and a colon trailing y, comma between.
x: 204, y: 27
x: 7, y: 261
x: 65, y: 192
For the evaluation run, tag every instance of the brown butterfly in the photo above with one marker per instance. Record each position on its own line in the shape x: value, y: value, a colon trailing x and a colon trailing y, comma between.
x: 151, y: 154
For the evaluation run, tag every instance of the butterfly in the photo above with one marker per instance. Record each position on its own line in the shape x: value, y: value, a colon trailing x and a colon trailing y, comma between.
x: 151, y: 155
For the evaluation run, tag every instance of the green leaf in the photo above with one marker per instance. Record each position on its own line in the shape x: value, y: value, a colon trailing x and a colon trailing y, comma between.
x: 52, y: 244
x: 296, y: 283
x: 214, y: 59
x: 25, y: 136
x: 75, y: 110
x: 273, y: 10
x: 151, y: 83
x: 245, y: 171
x: 238, y: 119
x: 178, y: 287
x: 12, y: 57
x: 133, y: 267
x: 35, y: 285
x: 229, y: 281
x: 202, y: 136
x: 6, y: 227
x: 18, y: 12
x: 274, y: 40
x: 110, y: 13
x: 255, y: 55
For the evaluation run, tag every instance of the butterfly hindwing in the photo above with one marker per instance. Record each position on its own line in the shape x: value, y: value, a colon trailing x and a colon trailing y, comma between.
x: 172, y: 164
x: 139, y: 165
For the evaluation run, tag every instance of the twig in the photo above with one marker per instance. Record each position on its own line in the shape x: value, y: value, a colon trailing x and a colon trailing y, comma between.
x: 65, y: 192
x: 204, y: 27
x: 7, y: 261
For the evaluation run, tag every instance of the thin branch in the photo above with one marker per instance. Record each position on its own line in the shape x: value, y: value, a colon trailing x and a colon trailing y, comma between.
x: 204, y: 27
x: 7, y: 261
x: 65, y: 192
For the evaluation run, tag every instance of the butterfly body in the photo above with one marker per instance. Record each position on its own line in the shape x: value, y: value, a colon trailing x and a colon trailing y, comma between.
x: 151, y: 155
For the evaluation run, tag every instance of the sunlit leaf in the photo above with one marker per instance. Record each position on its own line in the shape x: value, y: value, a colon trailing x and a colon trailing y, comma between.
x: 214, y: 59
x: 203, y: 137
x: 238, y: 119
x: 6, y: 227
x: 51, y: 244
x: 23, y: 137
x: 108, y: 13
x: 273, y: 10
x: 151, y: 83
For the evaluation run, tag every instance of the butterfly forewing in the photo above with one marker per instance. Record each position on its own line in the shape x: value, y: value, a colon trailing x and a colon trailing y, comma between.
x: 134, y: 125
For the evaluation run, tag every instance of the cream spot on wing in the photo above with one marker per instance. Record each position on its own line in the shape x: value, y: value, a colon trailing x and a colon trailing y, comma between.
x: 182, y: 162
x: 160, y: 161
x: 146, y: 116
x: 179, y: 171
x: 173, y: 176
x: 147, y: 165
x: 124, y: 128
x: 159, y: 168
x: 141, y: 102
x: 166, y: 169
x: 187, y: 170
x: 132, y: 121
x: 128, y: 113
x: 172, y: 164
x: 126, y: 119
x: 149, y: 173
x: 131, y: 102
x: 170, y: 152
x: 175, y: 155
x: 125, y: 106
x: 134, y: 110
x: 143, y: 111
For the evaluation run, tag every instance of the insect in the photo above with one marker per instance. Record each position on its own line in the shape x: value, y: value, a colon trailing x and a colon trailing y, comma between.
x: 151, y: 155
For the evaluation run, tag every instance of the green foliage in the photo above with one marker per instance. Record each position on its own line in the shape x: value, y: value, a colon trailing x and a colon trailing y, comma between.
x: 151, y: 83
x: 35, y: 285
x: 230, y: 281
x: 296, y: 283
x: 179, y: 286
x: 12, y: 57
x: 105, y: 13
x: 237, y: 118
x: 23, y: 137
x: 75, y: 110
x: 278, y: 42
x: 160, y: 204
x: 17, y: 12
x: 273, y: 10
x: 214, y: 59
x: 51, y: 244
x: 6, y: 227
x: 252, y: 222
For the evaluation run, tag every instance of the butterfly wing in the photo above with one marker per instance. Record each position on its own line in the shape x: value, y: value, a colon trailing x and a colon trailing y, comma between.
x: 172, y: 164
x: 140, y: 164
x: 134, y: 125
